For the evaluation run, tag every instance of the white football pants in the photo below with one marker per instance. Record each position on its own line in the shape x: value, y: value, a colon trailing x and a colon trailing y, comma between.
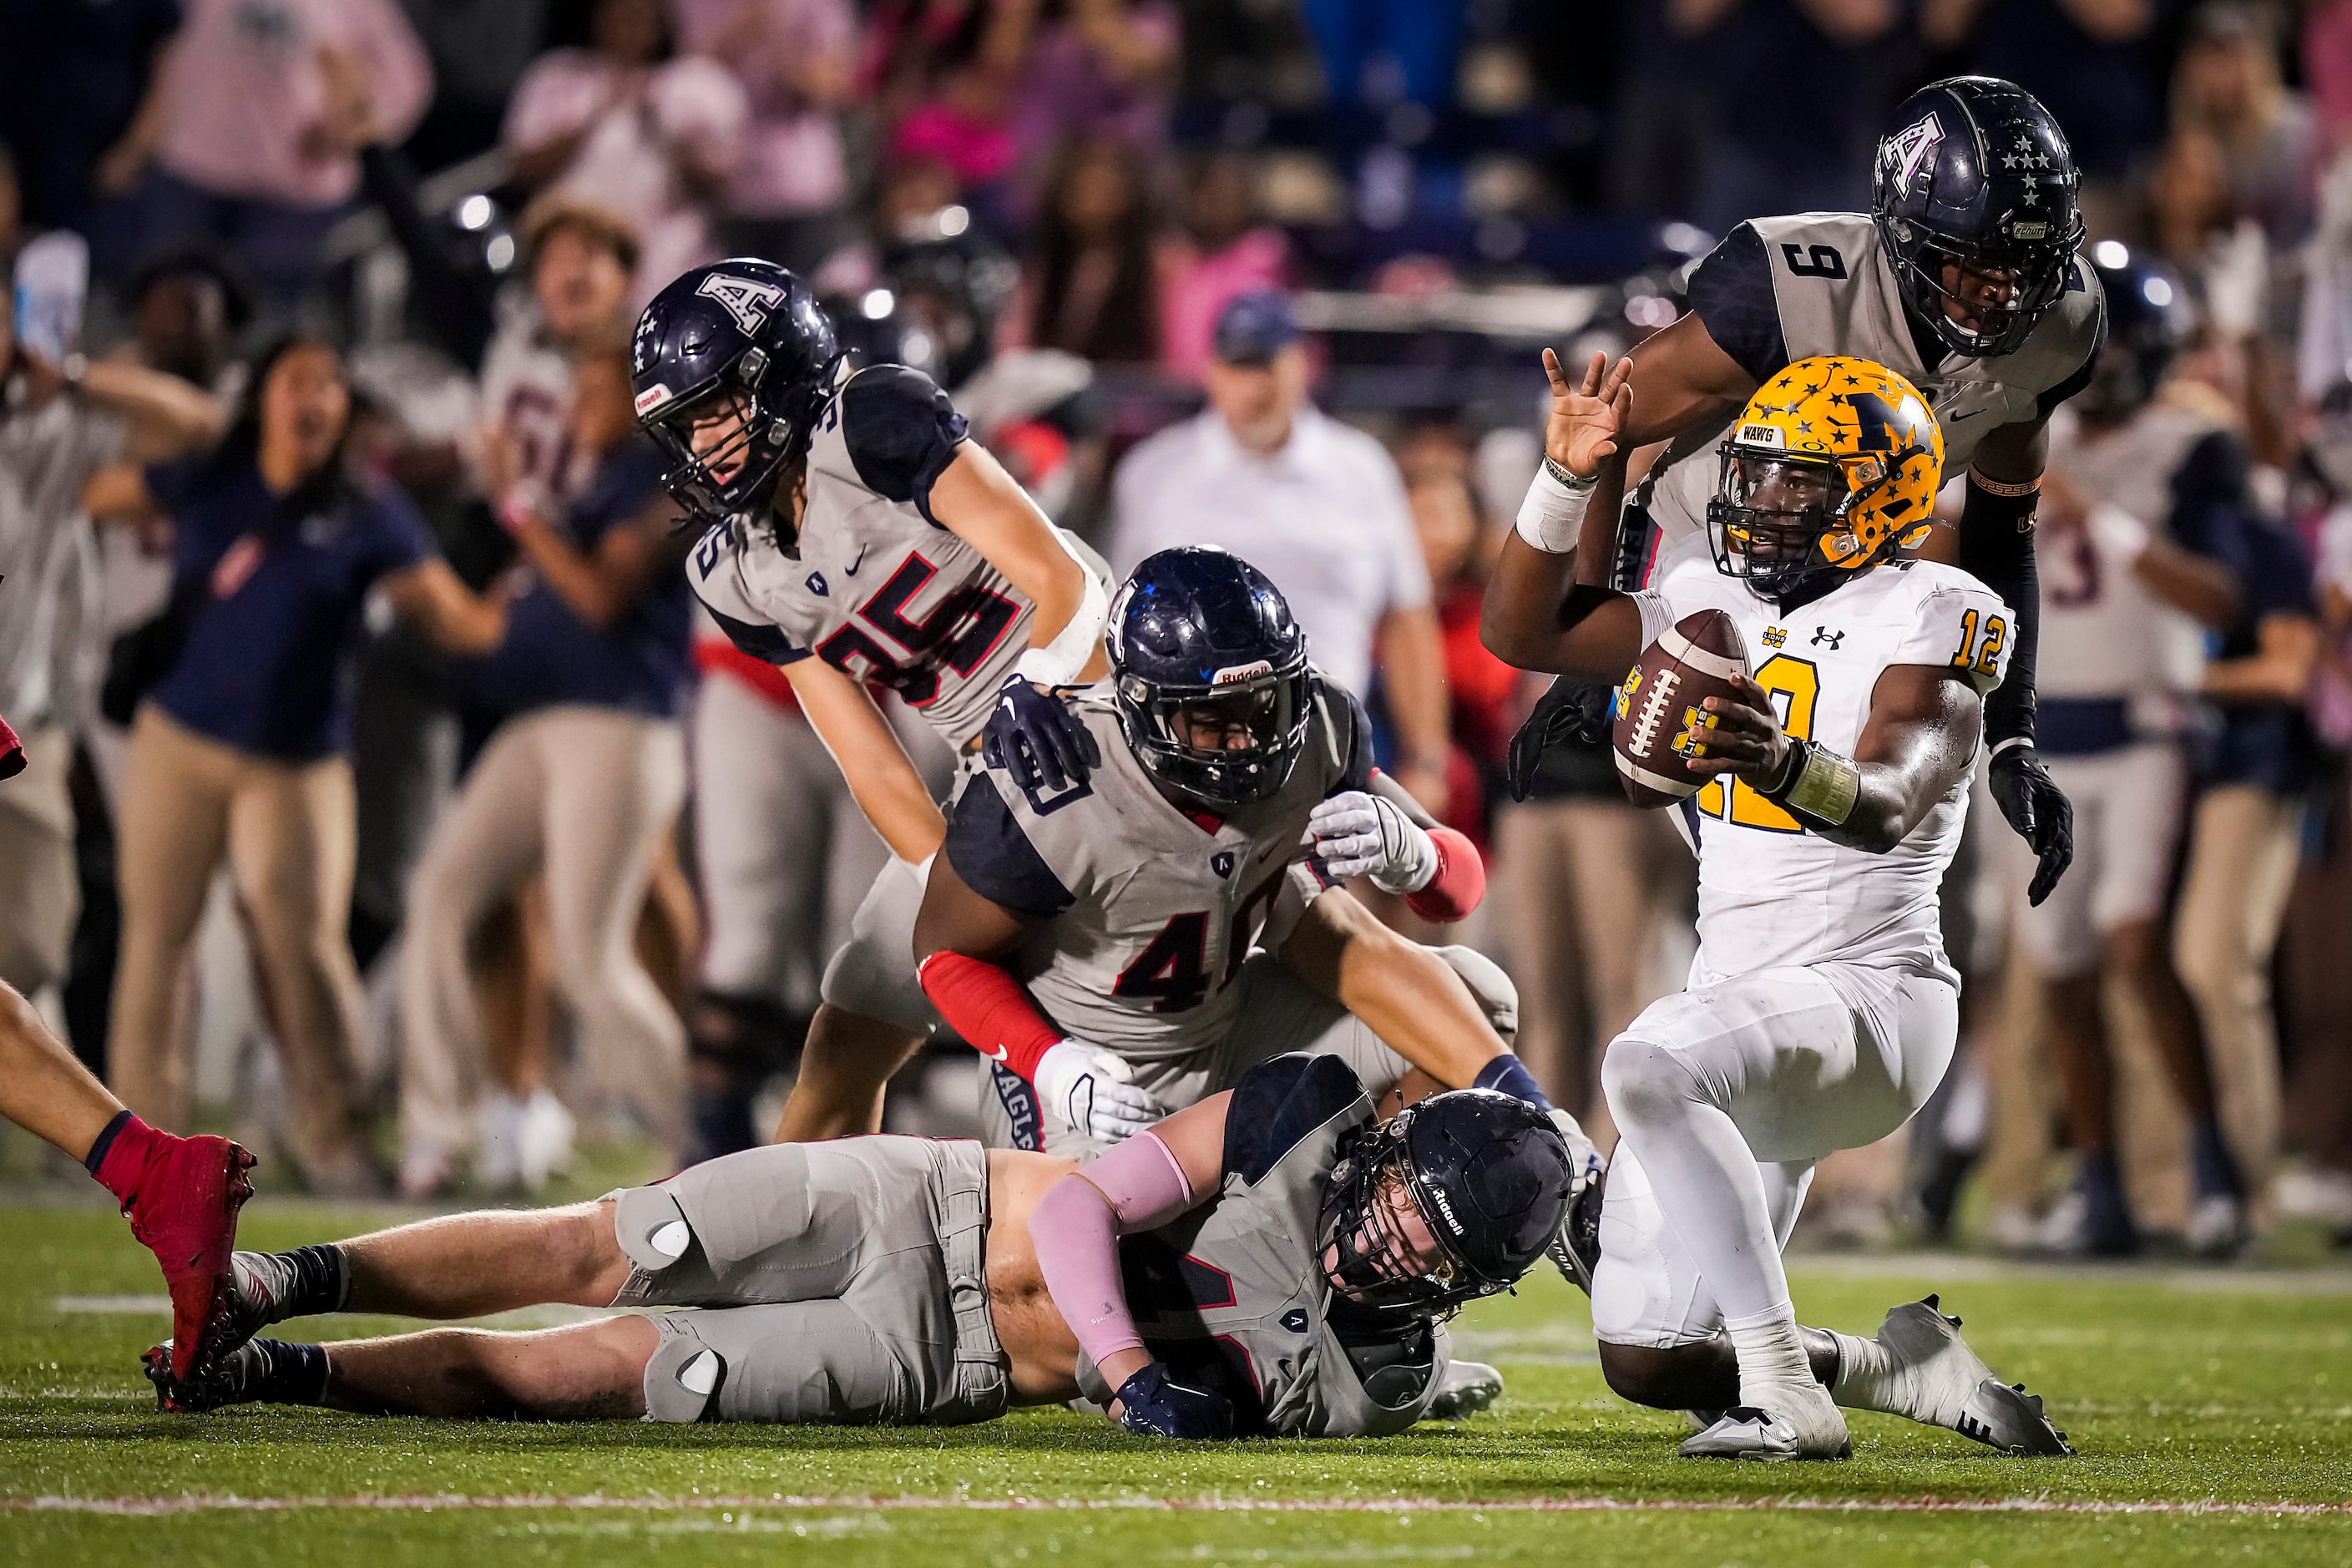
x: 1725, y: 1096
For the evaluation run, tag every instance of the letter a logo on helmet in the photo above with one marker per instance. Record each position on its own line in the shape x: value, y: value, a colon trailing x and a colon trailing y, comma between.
x: 747, y: 299
x: 1909, y: 148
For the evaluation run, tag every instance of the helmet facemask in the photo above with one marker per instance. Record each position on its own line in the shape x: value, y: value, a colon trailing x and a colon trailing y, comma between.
x: 1777, y: 520
x: 2006, y: 288
x: 1380, y: 1247
x: 1233, y: 742
x: 728, y: 448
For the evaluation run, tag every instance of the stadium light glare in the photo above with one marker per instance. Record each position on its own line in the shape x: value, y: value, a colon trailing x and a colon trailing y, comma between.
x: 2111, y: 253
x: 474, y: 213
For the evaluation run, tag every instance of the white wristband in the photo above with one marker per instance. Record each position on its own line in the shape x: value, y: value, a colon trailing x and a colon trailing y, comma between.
x: 1552, y: 516
x: 1059, y: 661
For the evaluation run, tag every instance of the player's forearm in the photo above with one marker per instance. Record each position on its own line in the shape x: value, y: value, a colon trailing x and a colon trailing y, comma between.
x: 1996, y: 549
x: 984, y: 1004
x: 881, y: 779
x: 1400, y: 990
x: 1075, y: 1229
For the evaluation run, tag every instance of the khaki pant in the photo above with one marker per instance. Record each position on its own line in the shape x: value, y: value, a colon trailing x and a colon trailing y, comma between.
x: 288, y: 831
x: 39, y: 896
x: 584, y: 795
x: 2242, y: 850
x: 1587, y: 886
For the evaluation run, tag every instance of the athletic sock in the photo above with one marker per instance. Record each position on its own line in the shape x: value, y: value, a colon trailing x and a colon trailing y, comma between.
x: 118, y: 1155
x: 1771, y: 1357
x: 1869, y: 1377
x: 2215, y: 1172
x: 303, y: 1283
x: 287, y: 1374
x: 2103, y: 1190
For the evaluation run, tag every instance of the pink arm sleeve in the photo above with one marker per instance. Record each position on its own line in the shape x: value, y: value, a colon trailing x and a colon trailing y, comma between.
x: 1076, y: 1228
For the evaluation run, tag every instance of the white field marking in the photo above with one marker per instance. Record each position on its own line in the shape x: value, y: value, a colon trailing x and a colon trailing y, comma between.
x: 80, y: 1306
x: 1948, y: 1267
x: 554, y: 1315
x: 197, y: 1502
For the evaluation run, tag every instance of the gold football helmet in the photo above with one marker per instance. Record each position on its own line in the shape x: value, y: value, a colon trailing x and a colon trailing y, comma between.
x: 1831, y: 467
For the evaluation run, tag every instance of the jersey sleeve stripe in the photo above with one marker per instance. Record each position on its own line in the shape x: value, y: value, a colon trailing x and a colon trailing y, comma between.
x: 766, y: 643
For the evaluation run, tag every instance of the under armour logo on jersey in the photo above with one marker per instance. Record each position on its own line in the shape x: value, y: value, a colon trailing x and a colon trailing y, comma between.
x: 1908, y: 149
x: 1824, y: 634
x: 747, y: 299
x: 1295, y: 1320
x: 1222, y: 862
x: 816, y: 584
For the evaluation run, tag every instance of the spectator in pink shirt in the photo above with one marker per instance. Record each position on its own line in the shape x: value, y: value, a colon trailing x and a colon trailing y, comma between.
x: 246, y: 150
x: 623, y: 127
x: 1223, y: 251
x: 796, y: 62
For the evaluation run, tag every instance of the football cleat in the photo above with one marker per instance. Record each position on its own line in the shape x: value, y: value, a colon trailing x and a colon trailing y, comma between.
x: 1943, y: 1383
x: 223, y: 1380
x: 1466, y: 1388
x: 184, y: 1210
x: 1744, y: 1432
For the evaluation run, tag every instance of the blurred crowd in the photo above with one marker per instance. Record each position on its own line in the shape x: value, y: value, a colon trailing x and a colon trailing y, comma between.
x: 320, y: 494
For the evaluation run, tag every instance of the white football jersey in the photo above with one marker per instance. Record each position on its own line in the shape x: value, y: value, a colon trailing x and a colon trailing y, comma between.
x: 1779, y: 289
x: 1770, y: 892
x: 2104, y: 633
x: 527, y: 391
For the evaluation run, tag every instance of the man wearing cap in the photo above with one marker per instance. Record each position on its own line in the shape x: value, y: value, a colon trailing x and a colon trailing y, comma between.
x: 1317, y: 506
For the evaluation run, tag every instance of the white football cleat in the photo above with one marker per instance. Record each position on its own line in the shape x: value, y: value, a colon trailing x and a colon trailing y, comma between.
x: 1804, y: 1424
x: 2218, y: 1227
x: 1465, y: 1388
x: 1942, y: 1382
x: 544, y: 1139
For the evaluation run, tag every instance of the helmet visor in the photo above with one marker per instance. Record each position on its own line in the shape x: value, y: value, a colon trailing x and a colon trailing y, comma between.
x: 1775, y: 511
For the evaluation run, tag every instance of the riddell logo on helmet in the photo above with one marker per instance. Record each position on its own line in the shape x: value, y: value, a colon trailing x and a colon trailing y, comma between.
x: 1234, y: 673
x: 651, y: 398
x: 1910, y: 147
x: 1438, y: 1194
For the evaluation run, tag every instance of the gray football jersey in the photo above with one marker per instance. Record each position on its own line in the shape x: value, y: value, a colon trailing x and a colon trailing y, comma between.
x: 874, y: 586
x: 1232, y: 1296
x: 1779, y: 289
x: 1150, y: 909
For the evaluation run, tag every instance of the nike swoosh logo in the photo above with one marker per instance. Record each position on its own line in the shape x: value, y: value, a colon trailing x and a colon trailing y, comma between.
x: 1953, y: 420
x: 859, y: 561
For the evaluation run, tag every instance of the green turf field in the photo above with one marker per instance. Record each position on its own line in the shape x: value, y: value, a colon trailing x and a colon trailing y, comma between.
x: 2215, y: 1398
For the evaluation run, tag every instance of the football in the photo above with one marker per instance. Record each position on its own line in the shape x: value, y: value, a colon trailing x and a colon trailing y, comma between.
x: 1699, y: 657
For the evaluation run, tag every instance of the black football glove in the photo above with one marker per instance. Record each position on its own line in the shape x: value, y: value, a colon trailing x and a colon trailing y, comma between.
x: 1568, y: 710
x: 1034, y: 736
x: 2040, y: 812
x: 1154, y: 1405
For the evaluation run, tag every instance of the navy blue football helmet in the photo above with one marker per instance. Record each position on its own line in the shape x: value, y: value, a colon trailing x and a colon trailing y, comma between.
x: 1976, y: 172
x: 1201, y: 645
x: 741, y: 351
x: 2148, y: 324
x: 1488, y: 1174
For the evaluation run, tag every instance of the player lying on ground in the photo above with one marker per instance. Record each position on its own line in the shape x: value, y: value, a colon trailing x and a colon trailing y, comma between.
x: 180, y: 1194
x: 855, y: 537
x: 1127, y: 945
x: 1272, y: 1260
x: 1821, y: 1011
x: 1962, y: 276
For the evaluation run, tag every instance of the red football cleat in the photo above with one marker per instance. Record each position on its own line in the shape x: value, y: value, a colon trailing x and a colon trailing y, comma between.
x: 183, y: 1206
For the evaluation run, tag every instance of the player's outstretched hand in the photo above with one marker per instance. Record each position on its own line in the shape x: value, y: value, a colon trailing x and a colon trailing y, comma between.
x: 1153, y: 1404
x: 1582, y: 428
x: 1092, y: 1092
x: 2040, y: 812
x: 1034, y: 736
x: 1356, y: 834
x: 1569, y: 709
x: 1745, y: 738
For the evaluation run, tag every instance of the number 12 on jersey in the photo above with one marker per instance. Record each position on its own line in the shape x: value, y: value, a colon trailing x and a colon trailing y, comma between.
x: 1794, y: 685
x: 1982, y: 656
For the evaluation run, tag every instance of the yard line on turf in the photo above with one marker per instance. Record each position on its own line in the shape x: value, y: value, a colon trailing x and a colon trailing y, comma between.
x: 436, y: 1502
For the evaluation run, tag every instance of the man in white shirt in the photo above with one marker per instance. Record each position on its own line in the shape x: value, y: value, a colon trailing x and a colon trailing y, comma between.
x: 1317, y: 506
